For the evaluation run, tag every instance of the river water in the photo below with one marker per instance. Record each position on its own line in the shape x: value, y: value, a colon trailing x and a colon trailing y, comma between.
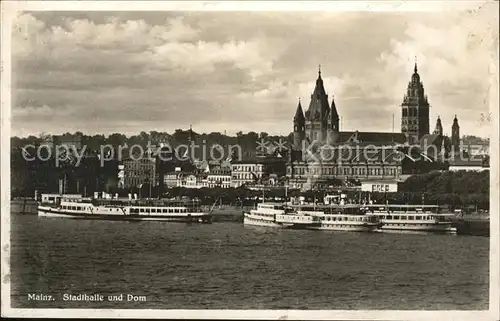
x: 231, y: 266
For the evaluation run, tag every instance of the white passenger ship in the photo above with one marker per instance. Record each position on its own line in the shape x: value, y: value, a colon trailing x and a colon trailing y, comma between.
x: 279, y: 215
x: 349, y: 217
x: 78, y: 207
x: 416, y: 218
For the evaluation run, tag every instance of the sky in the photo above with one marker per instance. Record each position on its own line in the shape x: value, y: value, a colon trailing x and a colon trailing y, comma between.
x: 105, y: 72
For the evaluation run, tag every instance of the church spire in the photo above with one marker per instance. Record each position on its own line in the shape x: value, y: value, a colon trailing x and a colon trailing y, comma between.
x: 334, y: 116
x: 299, y: 114
x: 319, y: 82
x: 299, y: 122
x: 415, y: 70
x: 455, y: 135
x: 439, y: 127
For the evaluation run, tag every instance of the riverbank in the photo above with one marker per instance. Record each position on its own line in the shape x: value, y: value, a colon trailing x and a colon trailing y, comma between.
x: 27, y: 206
x: 478, y: 225
x: 228, y: 213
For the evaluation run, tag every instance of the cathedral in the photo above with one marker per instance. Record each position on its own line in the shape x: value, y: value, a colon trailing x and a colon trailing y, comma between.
x: 320, y: 125
x: 320, y: 122
x: 415, y: 110
x: 341, y: 152
x: 415, y: 122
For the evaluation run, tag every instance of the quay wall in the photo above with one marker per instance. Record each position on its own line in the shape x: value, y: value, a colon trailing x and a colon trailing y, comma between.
x: 23, y: 207
x: 473, y: 225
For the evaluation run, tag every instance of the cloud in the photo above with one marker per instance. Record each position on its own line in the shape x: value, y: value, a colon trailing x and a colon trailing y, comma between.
x: 134, y: 71
x: 205, y: 56
x: 453, y: 62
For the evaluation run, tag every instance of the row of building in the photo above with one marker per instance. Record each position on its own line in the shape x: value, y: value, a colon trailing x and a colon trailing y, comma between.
x: 380, y: 165
x: 321, y: 155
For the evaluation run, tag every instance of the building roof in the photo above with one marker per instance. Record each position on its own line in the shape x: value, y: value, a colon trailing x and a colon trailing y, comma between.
x: 458, y: 162
x: 434, y: 140
x: 260, y: 160
x: 431, y: 144
x: 375, y: 138
x: 379, y: 180
x: 362, y: 154
x: 318, y: 107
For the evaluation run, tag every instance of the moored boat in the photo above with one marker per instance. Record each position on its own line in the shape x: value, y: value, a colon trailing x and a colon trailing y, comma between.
x: 279, y: 215
x: 414, y: 218
x: 264, y: 215
x: 349, y: 217
x: 78, y: 207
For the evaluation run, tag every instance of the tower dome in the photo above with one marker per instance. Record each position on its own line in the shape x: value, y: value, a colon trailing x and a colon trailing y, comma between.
x: 415, y: 78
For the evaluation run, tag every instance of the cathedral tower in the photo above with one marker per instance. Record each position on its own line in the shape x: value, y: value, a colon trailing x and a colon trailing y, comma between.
x: 439, y: 127
x: 316, y: 117
x: 415, y: 110
x: 455, y: 135
x: 298, y: 128
x: 333, y: 124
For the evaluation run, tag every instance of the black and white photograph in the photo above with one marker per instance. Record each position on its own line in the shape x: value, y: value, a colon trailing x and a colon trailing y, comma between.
x: 244, y: 159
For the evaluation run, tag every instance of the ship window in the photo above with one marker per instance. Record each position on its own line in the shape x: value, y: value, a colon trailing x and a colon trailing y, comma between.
x: 153, y: 210
x: 389, y: 217
x: 176, y: 210
x: 411, y: 218
x: 142, y: 210
x: 396, y: 217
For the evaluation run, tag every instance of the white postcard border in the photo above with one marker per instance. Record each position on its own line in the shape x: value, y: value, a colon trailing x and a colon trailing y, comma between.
x: 11, y: 8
